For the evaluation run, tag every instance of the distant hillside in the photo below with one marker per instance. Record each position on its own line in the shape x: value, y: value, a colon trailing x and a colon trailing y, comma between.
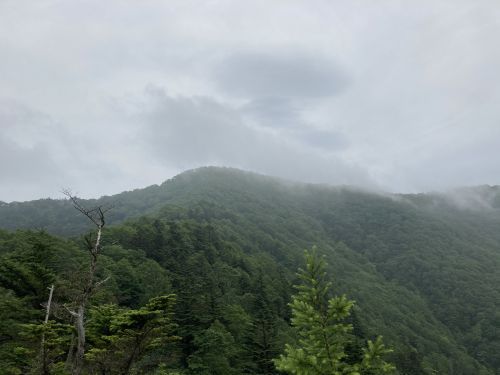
x: 57, y: 216
x: 424, y: 269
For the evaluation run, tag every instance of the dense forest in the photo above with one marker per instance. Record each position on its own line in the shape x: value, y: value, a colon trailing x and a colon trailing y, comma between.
x: 198, y: 273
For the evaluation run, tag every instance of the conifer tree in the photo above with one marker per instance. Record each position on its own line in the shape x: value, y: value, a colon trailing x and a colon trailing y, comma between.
x: 216, y: 350
x: 263, y: 345
x: 120, y: 338
x: 322, y: 330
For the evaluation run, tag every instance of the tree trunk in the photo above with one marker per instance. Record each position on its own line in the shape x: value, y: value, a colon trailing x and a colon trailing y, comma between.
x: 43, y: 351
x: 69, y: 359
x: 80, y: 344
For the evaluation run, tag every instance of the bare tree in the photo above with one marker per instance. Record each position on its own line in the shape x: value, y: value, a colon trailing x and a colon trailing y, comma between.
x: 93, y: 244
x: 43, y: 351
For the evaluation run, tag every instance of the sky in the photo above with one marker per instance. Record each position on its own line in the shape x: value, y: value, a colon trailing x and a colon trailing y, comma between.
x: 106, y: 96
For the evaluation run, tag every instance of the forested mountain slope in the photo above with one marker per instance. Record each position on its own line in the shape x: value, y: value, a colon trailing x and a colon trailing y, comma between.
x: 424, y: 269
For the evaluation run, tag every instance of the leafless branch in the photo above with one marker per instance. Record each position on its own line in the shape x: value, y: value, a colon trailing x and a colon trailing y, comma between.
x: 99, y: 283
x: 72, y: 313
x: 95, y: 214
x: 93, y: 244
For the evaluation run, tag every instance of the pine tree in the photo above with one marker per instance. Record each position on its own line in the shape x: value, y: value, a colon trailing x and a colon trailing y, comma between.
x: 322, y: 330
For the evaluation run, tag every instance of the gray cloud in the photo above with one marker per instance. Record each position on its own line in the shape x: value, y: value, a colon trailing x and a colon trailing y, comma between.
x: 280, y: 74
x: 327, y: 140
x: 446, y: 167
x: 403, y: 97
x: 285, y: 116
x: 193, y: 130
x: 39, y: 156
x: 276, y: 112
x: 24, y: 165
x: 189, y: 132
x: 27, y: 163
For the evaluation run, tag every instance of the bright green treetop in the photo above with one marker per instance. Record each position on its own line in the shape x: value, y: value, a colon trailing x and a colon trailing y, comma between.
x: 324, y: 335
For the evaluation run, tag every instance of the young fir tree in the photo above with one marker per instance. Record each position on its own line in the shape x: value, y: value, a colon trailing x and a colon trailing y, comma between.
x: 322, y: 330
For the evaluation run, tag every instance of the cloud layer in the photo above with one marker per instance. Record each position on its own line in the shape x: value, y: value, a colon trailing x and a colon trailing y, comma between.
x: 103, y: 97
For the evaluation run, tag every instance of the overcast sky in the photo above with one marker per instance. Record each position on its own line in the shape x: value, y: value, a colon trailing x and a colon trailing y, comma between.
x: 106, y: 96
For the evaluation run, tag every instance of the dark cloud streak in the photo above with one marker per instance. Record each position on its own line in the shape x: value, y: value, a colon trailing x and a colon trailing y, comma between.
x: 280, y: 74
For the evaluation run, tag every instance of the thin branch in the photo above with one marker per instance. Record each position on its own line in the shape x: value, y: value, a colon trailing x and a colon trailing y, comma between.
x: 72, y: 313
x: 99, y: 283
x: 96, y: 214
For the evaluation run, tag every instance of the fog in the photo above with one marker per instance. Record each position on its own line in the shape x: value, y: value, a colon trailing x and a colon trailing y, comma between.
x: 103, y: 97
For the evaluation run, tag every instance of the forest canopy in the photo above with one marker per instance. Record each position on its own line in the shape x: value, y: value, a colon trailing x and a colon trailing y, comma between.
x: 200, y: 271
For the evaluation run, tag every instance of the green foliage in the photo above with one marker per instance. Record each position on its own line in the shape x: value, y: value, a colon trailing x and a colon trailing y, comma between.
x: 215, y: 352
x: 47, y: 344
x: 31, y: 261
x: 323, y: 332
x: 422, y: 269
x: 121, y: 338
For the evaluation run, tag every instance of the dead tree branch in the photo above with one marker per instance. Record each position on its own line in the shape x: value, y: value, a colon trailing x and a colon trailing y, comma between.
x: 93, y: 244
